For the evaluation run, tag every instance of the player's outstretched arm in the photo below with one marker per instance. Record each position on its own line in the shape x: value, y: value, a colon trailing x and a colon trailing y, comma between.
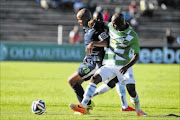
x: 89, y: 48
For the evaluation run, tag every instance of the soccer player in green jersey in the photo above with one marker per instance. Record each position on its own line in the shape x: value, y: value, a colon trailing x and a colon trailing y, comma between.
x: 114, y: 82
x: 117, y: 62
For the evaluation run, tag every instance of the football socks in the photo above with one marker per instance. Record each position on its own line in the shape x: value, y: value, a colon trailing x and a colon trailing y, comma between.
x: 135, y: 102
x: 122, y: 94
x: 79, y: 91
x: 102, y: 89
x: 91, y: 88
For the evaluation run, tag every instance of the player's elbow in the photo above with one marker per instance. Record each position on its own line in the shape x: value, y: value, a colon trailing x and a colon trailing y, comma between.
x: 106, y: 42
x: 105, y: 45
x: 136, y: 56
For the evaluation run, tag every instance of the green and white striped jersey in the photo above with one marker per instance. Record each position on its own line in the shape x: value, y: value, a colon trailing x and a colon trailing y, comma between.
x: 120, y: 45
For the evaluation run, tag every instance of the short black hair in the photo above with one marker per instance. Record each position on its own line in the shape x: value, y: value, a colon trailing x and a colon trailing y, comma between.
x: 85, y: 13
x: 118, y: 19
x: 98, y: 16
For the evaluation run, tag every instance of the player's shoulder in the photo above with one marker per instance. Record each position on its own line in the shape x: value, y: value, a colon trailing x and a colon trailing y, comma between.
x: 108, y: 24
x: 90, y: 31
x: 130, y: 31
x: 133, y: 33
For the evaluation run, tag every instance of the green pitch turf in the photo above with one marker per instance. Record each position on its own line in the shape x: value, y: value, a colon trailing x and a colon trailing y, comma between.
x: 158, y: 86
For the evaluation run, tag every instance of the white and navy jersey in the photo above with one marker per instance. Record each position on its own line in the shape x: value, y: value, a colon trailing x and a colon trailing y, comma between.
x: 94, y: 35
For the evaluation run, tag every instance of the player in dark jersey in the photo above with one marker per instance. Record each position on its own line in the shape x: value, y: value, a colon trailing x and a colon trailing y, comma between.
x: 91, y: 62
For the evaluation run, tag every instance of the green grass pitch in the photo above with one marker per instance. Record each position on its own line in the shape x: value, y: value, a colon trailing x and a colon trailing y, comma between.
x: 158, y: 86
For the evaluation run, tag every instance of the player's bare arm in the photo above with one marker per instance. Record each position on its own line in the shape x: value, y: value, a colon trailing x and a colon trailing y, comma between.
x: 85, y: 58
x: 89, y: 48
x: 103, y: 37
x: 131, y: 63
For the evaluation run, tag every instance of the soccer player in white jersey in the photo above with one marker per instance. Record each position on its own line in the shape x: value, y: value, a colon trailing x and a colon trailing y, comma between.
x: 117, y: 62
x: 114, y: 82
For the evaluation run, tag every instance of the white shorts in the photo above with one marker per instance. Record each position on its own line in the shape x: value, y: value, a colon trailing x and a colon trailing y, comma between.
x: 107, y: 73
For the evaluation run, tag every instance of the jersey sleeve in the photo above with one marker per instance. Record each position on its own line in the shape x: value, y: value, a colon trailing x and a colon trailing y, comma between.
x: 103, y: 36
x: 135, y: 45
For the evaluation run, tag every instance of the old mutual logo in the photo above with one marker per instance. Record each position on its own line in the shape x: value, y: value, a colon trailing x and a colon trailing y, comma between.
x: 3, y: 52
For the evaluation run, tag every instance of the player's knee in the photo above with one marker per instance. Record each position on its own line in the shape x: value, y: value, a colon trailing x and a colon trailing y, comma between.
x: 132, y: 93
x: 71, y: 81
x: 111, y: 84
x: 96, y: 79
x: 131, y: 90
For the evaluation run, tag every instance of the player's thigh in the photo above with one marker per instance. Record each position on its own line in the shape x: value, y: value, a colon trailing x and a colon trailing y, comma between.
x: 86, y: 70
x: 106, y: 73
x: 129, y: 77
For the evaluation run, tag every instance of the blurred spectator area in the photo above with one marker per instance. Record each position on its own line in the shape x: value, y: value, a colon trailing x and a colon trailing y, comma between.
x: 26, y: 21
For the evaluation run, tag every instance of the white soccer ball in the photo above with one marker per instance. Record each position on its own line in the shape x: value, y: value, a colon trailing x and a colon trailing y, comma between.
x: 38, y: 107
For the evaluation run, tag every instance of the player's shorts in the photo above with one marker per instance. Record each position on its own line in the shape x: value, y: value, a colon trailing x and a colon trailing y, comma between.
x: 86, y: 69
x: 107, y: 73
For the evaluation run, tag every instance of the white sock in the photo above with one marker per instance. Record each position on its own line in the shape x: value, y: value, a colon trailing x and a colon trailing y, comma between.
x: 102, y: 89
x: 136, y: 103
x: 90, y: 89
x: 122, y: 94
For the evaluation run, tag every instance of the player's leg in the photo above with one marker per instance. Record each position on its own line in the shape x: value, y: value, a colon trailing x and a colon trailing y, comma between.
x: 102, y: 74
x: 105, y: 73
x: 130, y: 85
x: 84, y: 73
x: 135, y: 99
x: 90, y: 89
x: 105, y: 87
x: 134, y: 96
x: 120, y: 89
x: 122, y: 94
x: 75, y: 82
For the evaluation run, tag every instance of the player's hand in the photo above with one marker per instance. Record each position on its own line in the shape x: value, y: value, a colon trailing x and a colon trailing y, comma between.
x: 123, y: 70
x: 85, y: 59
x: 92, y: 23
x: 89, y: 48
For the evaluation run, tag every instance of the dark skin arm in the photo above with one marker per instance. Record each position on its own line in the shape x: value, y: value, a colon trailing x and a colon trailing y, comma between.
x: 131, y: 63
x: 89, y: 48
x: 85, y: 58
x: 98, y: 25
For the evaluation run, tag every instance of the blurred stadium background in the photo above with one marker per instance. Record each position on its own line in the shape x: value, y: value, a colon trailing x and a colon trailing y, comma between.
x: 38, y: 30
x: 26, y: 25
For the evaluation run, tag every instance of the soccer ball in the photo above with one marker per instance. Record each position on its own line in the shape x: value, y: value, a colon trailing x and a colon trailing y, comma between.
x: 38, y: 107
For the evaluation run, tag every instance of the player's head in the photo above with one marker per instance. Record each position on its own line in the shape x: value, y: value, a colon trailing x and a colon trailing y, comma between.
x: 98, y: 16
x: 118, y: 21
x: 83, y: 16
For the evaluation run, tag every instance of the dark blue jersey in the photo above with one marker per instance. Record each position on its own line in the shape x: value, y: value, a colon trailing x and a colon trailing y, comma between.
x: 94, y: 61
x: 94, y: 35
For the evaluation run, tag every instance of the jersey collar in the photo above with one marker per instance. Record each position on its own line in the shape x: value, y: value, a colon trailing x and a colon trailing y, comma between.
x: 86, y: 29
